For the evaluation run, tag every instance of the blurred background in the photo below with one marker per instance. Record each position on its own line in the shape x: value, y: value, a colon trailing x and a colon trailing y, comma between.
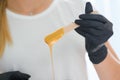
x: 110, y: 9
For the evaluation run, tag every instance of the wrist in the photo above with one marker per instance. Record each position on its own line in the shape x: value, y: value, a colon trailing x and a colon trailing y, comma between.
x: 98, y: 56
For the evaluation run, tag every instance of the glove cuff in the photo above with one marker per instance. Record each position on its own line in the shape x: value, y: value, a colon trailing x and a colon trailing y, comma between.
x: 98, y: 56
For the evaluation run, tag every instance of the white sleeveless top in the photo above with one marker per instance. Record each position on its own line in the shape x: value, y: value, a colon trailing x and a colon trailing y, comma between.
x: 30, y: 54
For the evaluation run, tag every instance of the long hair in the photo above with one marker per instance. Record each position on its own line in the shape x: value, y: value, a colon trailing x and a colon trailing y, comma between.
x: 4, y: 30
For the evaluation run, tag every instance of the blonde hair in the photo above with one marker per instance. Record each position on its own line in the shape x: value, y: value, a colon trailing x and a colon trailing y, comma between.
x: 4, y: 30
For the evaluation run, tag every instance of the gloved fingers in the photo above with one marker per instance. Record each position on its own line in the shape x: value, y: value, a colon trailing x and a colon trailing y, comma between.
x: 85, y: 32
x: 93, y: 32
x: 77, y: 21
x: 88, y: 8
x: 90, y: 24
x: 23, y: 75
x: 89, y: 37
x: 6, y: 75
x: 78, y: 30
x: 96, y: 36
x: 95, y: 17
x: 94, y: 39
x: 109, y: 26
x: 20, y: 76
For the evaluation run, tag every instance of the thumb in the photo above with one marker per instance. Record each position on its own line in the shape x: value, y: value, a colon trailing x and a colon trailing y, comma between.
x: 88, y: 8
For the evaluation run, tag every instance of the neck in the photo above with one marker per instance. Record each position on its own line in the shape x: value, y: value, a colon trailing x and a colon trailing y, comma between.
x: 27, y: 6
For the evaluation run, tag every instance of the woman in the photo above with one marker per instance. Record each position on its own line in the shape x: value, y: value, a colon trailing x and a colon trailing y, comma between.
x: 29, y: 21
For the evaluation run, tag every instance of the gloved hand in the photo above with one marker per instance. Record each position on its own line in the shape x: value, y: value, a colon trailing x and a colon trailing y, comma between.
x: 15, y: 75
x: 97, y: 30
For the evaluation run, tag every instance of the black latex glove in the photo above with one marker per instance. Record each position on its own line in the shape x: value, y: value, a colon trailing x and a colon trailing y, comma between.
x: 14, y: 75
x: 97, y: 30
